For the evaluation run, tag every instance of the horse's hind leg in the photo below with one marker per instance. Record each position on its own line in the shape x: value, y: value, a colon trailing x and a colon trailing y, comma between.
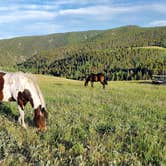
x: 21, y: 117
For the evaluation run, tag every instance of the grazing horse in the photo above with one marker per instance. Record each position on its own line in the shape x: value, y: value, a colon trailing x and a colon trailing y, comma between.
x: 96, y: 77
x: 22, y: 88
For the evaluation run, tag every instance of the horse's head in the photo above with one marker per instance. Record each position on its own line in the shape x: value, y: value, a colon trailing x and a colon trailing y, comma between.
x: 40, y: 118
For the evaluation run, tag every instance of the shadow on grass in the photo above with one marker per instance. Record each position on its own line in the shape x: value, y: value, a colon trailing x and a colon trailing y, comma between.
x: 58, y: 84
x: 146, y: 82
x: 68, y: 84
x: 151, y: 83
x: 7, y: 112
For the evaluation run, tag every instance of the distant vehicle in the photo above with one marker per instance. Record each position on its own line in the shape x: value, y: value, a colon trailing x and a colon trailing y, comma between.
x: 159, y: 79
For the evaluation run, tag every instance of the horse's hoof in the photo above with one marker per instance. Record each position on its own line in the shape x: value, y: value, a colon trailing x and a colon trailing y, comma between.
x: 24, y: 126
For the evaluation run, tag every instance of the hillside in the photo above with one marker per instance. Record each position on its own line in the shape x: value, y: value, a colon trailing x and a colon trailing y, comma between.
x: 131, y: 36
x: 124, y: 53
x: 19, y: 49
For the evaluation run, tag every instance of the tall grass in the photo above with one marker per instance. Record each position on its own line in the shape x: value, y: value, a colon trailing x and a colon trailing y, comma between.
x: 121, y: 125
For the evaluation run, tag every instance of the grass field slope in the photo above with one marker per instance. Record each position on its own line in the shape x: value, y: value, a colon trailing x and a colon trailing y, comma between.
x: 121, y: 125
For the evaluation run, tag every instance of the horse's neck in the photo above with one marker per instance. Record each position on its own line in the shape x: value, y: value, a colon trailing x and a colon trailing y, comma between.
x: 36, y: 98
x: 36, y: 93
x: 40, y: 96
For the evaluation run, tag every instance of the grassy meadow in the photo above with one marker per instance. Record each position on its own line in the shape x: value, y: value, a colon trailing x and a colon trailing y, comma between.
x: 125, y: 124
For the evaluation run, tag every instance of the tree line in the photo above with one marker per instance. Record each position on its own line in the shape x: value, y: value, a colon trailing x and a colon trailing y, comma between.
x: 132, y: 63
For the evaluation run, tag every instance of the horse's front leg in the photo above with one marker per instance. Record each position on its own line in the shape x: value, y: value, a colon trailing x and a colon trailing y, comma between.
x: 103, y: 85
x: 91, y: 84
x: 21, y: 117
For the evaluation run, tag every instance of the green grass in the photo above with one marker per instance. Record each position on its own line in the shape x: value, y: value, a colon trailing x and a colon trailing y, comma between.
x: 121, y: 125
x: 153, y: 47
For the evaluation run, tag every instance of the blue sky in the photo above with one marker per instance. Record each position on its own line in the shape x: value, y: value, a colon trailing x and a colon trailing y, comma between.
x: 40, y: 17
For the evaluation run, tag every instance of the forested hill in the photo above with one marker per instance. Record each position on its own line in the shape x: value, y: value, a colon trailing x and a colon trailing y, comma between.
x: 129, y: 52
x: 132, y: 36
x: 19, y: 49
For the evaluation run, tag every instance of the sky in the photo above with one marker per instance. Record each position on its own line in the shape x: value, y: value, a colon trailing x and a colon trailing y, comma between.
x: 42, y: 17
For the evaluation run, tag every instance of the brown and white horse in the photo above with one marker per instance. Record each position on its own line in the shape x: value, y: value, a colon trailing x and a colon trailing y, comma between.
x: 22, y: 88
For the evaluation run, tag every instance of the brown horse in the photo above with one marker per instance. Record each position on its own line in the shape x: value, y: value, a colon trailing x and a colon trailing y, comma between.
x: 95, y: 78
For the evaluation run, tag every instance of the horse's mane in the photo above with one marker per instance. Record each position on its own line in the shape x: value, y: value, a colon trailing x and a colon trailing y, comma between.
x: 32, y: 79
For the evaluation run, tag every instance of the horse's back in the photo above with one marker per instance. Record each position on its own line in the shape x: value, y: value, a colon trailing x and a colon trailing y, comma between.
x: 18, y: 80
x: 14, y: 83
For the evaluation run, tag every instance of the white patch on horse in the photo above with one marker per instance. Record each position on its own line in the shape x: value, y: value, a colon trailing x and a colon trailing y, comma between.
x: 18, y: 82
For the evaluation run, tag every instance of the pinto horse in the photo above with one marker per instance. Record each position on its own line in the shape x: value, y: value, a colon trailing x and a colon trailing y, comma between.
x: 22, y: 88
x: 95, y: 78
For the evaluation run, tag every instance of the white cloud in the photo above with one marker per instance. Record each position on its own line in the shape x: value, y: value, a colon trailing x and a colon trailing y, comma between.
x: 52, y: 9
x: 158, y: 23
x: 8, y: 8
x: 80, y: 2
x: 47, y: 16
x: 26, y: 15
x: 160, y: 8
x: 96, y: 10
x: 105, y: 10
x: 101, y: 12
x: 21, y: 7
